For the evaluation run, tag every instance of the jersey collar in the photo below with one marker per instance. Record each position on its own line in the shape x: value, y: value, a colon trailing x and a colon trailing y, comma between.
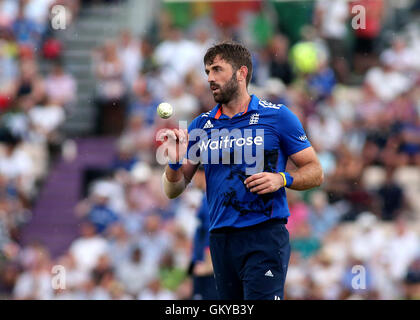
x: 216, y: 112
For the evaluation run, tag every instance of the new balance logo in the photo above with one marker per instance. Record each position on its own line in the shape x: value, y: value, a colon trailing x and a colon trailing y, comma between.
x: 269, y: 274
x: 208, y: 125
x: 254, y: 118
x: 277, y: 298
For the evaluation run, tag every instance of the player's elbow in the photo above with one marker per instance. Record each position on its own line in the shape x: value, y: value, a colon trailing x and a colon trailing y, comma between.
x: 320, y: 177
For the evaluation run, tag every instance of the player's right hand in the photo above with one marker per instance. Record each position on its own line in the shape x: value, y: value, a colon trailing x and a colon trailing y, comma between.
x: 176, y: 143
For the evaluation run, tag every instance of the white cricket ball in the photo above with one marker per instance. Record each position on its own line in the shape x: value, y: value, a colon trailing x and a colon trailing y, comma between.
x: 164, y: 110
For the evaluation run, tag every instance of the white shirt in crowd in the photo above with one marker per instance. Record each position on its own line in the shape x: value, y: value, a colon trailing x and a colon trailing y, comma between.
x: 18, y: 164
x: 162, y: 294
x: 47, y: 117
x: 33, y: 286
x: 325, y: 133
x: 132, y: 60
x: 135, y: 276
x: 334, y: 18
x: 180, y: 56
x: 86, y: 251
x: 61, y: 88
x: 387, y: 85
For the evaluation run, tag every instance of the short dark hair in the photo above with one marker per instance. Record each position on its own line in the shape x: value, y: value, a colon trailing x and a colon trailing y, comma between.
x: 232, y: 52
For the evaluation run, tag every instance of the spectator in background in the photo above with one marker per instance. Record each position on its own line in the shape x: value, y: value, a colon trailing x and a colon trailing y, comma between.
x: 278, y: 64
x: 322, y: 216
x: 139, y: 136
x: 60, y: 86
x: 364, y: 288
x: 402, y: 57
x: 297, y: 279
x: 138, y: 191
x: 38, y: 12
x: 99, y: 211
x: 130, y: 56
x: 276, y: 91
x: 111, y: 92
x: 325, y: 276
x: 103, y: 273
x: 177, y: 56
x: 184, y: 104
x: 91, y: 291
x: 408, y: 141
x: 134, y: 273
x: 298, y: 212
x: 304, y: 242
x: 35, y: 282
x: 400, y: 249
x: 412, y: 281
x: 74, y: 276
x: 87, y: 249
x: 366, y: 38
x: 45, y: 121
x: 119, y: 243
x: 369, y: 238
x: 8, y: 277
x: 126, y: 157
x: 8, y: 12
x: 154, y: 241
x: 30, y: 83
x: 331, y: 19
x: 171, y: 275
x: 8, y: 67
x: 321, y: 83
x: 143, y: 102
x: 391, y: 197
x: 15, y: 163
x: 325, y: 131
x: 155, y: 291
x: 397, y: 83
x: 27, y: 32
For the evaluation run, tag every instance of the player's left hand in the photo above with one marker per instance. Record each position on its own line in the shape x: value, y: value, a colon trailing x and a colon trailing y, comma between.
x: 264, y: 182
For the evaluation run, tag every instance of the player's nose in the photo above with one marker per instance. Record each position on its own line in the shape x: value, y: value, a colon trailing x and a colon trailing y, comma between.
x: 210, y: 78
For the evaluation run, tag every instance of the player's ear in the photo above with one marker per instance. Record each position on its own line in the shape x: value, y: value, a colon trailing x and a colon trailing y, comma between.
x: 242, y: 73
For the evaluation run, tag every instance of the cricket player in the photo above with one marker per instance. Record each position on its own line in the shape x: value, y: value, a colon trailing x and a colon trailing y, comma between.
x: 243, y: 144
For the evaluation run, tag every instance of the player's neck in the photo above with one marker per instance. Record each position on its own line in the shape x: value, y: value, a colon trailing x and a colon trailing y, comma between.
x: 236, y: 105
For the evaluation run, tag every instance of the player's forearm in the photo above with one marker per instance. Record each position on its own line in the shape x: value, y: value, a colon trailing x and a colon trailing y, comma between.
x: 307, y: 176
x: 173, y: 182
x: 174, y: 175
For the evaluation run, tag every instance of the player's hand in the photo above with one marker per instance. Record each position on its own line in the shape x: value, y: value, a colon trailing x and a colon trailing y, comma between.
x: 264, y: 182
x: 176, y: 142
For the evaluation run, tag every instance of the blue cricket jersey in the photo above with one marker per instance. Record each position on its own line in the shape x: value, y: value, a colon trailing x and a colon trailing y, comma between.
x: 231, y: 149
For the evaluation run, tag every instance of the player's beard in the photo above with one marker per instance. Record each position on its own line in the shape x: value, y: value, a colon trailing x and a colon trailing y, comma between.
x: 228, y: 92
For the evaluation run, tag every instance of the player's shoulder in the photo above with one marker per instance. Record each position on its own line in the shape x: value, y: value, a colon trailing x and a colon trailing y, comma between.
x: 200, y: 120
x: 279, y: 113
x: 204, y: 114
x: 275, y: 109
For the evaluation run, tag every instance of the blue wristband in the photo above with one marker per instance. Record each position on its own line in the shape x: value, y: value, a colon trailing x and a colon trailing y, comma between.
x: 288, y: 179
x: 175, y: 166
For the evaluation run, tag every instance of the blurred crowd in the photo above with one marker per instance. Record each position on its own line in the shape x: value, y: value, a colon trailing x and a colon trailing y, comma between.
x: 32, y: 109
x: 356, y: 91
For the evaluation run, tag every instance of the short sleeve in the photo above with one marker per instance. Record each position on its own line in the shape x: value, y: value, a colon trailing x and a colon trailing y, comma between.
x: 292, y: 136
